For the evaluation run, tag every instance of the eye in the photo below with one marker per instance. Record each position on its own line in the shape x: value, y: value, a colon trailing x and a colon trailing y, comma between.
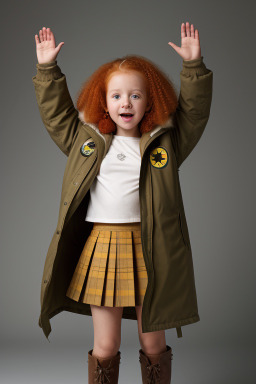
x: 136, y: 96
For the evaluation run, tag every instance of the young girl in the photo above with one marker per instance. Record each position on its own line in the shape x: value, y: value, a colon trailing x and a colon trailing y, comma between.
x: 121, y: 248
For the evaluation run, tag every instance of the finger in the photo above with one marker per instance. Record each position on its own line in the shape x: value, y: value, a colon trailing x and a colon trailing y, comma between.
x: 44, y: 34
x: 52, y: 37
x: 187, y: 29
x: 196, y: 34
x: 183, y: 34
x: 37, y: 40
x: 192, y: 31
x: 175, y: 47
x: 48, y: 34
x: 60, y: 45
x: 41, y: 35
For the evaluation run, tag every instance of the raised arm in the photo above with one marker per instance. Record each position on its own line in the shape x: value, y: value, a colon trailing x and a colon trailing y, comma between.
x: 195, y: 97
x: 55, y: 104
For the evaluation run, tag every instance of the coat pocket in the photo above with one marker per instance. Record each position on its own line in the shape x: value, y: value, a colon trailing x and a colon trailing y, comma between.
x: 182, y: 231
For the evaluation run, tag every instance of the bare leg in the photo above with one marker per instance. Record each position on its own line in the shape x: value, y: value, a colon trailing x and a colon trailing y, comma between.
x: 151, y: 342
x: 107, y: 330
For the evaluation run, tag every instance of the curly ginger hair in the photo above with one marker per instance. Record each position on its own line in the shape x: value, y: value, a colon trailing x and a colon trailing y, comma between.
x: 162, y: 97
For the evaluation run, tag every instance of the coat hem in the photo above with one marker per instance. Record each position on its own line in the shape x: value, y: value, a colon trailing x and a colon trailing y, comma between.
x: 44, y: 321
x: 173, y: 324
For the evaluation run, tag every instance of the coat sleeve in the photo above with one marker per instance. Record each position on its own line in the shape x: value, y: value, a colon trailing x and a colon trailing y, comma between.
x: 193, y: 111
x: 56, y: 106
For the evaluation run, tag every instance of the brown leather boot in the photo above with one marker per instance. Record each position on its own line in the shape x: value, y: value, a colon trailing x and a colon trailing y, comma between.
x: 157, y: 373
x: 103, y: 370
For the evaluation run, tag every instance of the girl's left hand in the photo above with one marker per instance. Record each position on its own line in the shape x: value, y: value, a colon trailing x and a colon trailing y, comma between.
x: 190, y: 44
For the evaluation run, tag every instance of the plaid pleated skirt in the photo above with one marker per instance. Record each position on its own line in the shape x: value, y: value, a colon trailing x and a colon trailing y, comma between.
x: 111, y: 270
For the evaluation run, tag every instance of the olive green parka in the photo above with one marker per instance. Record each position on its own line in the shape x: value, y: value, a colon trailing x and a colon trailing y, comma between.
x: 170, y: 300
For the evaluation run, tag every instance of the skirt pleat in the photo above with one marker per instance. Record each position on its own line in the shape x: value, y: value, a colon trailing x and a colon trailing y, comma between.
x: 111, y: 270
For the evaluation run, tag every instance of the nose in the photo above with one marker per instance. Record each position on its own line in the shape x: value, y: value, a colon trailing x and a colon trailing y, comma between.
x: 126, y: 103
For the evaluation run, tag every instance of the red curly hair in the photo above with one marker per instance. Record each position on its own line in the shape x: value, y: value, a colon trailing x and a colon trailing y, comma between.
x: 162, y: 96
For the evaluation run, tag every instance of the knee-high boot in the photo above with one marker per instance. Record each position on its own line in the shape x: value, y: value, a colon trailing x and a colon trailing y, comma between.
x: 159, y: 372
x: 103, y: 370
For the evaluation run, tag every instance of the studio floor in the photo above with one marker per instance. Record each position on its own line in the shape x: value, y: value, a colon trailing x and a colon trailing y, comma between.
x: 67, y: 364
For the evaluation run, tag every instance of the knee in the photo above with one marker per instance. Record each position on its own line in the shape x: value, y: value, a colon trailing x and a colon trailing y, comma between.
x: 107, y: 346
x: 153, y: 342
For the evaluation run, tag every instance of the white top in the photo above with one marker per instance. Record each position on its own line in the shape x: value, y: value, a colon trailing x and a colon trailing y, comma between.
x: 114, y: 193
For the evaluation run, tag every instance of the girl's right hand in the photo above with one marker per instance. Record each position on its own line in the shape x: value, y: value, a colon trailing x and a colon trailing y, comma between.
x: 45, y: 48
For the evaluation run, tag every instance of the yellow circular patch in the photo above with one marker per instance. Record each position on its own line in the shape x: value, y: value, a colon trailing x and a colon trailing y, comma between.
x: 159, y: 157
x: 87, y: 148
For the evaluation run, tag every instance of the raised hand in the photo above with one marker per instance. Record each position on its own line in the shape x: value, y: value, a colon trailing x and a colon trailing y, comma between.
x: 45, y: 48
x: 190, y: 44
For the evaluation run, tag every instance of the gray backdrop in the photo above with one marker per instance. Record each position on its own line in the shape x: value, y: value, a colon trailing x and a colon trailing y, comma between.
x: 217, y: 180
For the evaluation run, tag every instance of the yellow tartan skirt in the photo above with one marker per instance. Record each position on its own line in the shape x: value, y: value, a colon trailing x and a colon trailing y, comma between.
x: 111, y: 270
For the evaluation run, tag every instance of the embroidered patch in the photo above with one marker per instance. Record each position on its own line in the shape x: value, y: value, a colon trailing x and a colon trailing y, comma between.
x: 88, y: 147
x: 121, y: 156
x: 159, y: 157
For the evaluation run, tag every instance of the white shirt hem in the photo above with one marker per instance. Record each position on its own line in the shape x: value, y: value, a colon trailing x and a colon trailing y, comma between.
x: 99, y: 220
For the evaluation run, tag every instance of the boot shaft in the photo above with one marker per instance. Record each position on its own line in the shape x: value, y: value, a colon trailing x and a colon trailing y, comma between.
x: 103, y: 370
x: 158, y: 373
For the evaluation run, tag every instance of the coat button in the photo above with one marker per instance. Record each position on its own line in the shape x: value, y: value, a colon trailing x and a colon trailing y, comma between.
x: 58, y: 232
x: 65, y: 203
x: 75, y: 183
x: 45, y: 281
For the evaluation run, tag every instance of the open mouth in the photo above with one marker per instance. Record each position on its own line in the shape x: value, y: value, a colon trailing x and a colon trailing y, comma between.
x: 126, y: 116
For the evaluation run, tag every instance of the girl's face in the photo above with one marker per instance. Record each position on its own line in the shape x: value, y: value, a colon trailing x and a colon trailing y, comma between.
x: 127, y: 94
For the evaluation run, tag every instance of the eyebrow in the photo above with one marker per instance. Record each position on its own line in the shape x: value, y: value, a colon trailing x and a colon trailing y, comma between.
x: 112, y: 90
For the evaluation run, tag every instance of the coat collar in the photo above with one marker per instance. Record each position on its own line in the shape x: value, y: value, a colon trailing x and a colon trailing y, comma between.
x: 107, y: 137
